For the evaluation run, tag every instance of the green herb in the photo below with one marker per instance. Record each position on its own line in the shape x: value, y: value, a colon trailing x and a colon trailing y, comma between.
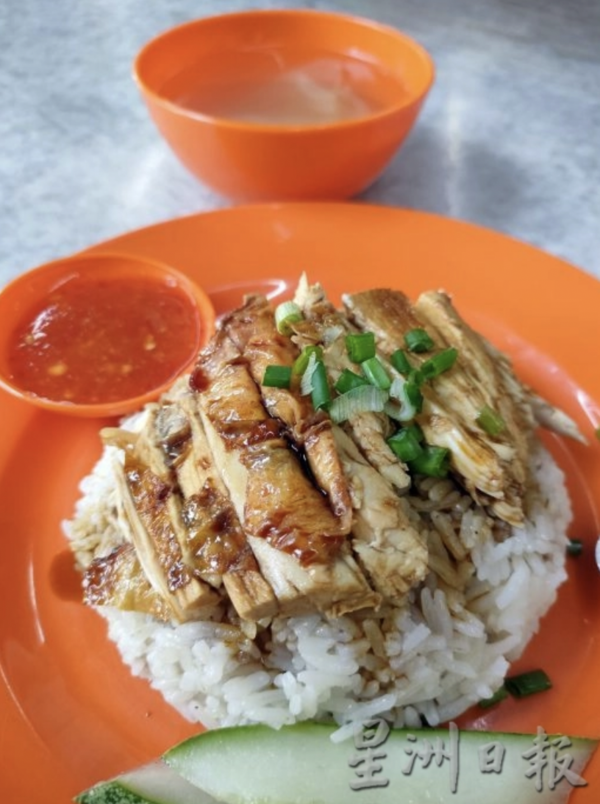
x: 575, y: 547
x: 348, y: 380
x: 439, y: 363
x: 498, y: 696
x: 277, y: 376
x: 362, y: 399
x: 320, y: 393
x: 414, y: 395
x: 405, y: 445
x: 416, y: 431
x: 418, y: 340
x: 400, y: 362
x: 286, y: 314
x: 376, y: 373
x: 490, y: 421
x: 432, y: 461
x: 360, y: 346
x: 597, y: 433
x: 528, y: 684
x: 301, y: 362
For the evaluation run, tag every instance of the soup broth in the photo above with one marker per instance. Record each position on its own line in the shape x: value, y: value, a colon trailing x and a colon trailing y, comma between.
x: 281, y: 88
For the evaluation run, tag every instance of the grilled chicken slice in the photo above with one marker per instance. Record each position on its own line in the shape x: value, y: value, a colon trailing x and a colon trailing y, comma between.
x: 217, y: 541
x: 389, y: 547
x: 554, y: 419
x: 118, y: 580
x: 327, y: 327
x: 297, y: 540
x: 253, y: 331
x: 149, y: 505
x: 534, y: 409
x: 493, y: 468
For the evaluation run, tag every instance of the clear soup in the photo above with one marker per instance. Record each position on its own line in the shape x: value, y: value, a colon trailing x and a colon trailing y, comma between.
x: 283, y: 87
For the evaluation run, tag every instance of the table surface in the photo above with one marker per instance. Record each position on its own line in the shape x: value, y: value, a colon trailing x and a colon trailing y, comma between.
x: 509, y: 137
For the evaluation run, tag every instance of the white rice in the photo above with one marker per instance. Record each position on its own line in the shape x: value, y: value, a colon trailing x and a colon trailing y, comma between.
x: 428, y: 661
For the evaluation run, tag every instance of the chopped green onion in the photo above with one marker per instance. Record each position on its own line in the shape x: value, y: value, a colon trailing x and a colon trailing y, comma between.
x: 418, y: 340
x: 363, y: 399
x: 597, y: 433
x: 277, y: 376
x: 575, y: 547
x: 490, y: 421
x: 399, y: 406
x: 416, y: 431
x: 320, y: 394
x: 405, y: 400
x: 405, y: 445
x: 498, y: 696
x: 301, y: 362
x: 307, y: 378
x: 348, y: 380
x: 416, y: 377
x: 400, y: 362
x: 414, y: 395
x: 528, y: 683
x: 286, y: 314
x: 432, y: 461
x: 376, y: 373
x: 360, y: 346
x: 439, y: 363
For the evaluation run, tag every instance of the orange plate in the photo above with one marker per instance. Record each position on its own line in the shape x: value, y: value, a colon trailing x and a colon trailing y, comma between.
x: 71, y: 712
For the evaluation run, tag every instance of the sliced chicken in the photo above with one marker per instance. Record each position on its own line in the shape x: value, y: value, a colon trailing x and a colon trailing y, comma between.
x: 239, y: 503
x: 493, y: 468
x: 389, y: 547
x: 151, y: 508
x: 253, y: 331
x: 552, y: 418
x: 327, y: 327
x: 217, y: 540
x: 118, y: 580
x: 297, y: 540
x: 535, y: 409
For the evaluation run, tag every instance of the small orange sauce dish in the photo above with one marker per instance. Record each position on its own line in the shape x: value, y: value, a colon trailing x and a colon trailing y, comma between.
x: 284, y: 104
x: 99, y: 334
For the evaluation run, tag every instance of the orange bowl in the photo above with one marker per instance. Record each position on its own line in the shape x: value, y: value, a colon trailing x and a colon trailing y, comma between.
x: 99, y: 334
x: 284, y: 104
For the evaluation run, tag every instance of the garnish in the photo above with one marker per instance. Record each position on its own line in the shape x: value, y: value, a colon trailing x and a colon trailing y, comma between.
x: 361, y: 399
x: 301, y: 362
x: 403, y: 396
x: 418, y: 340
x: 405, y: 445
x: 286, y: 314
x: 500, y: 695
x: 277, y: 376
x: 320, y: 392
x: 400, y: 362
x: 307, y: 377
x: 528, y: 683
x: 376, y: 373
x: 439, y: 363
x: 360, y: 346
x: 490, y: 421
x: 348, y: 380
x: 432, y: 461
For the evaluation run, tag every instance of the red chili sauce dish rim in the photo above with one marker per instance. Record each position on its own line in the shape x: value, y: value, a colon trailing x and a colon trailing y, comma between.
x: 100, y: 334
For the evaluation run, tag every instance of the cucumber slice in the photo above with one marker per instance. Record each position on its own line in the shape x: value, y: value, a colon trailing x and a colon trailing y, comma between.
x: 301, y: 765
x: 155, y: 783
